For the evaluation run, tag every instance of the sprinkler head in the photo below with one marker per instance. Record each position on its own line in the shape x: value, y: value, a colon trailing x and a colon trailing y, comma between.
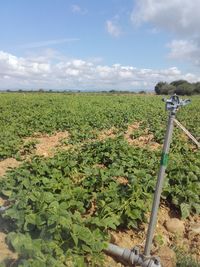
x: 174, y: 103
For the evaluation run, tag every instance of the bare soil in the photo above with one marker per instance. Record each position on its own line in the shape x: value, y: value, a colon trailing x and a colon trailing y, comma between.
x: 146, y: 140
x: 5, y: 252
x: 163, y: 239
x: 47, y: 144
x: 110, y: 133
x: 8, y: 163
x: 121, y: 180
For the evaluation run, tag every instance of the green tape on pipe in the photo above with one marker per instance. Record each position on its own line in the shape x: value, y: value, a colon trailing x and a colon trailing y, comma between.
x: 164, y: 159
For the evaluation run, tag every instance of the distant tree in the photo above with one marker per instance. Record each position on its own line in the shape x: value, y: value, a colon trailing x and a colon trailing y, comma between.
x: 197, y: 88
x: 142, y: 92
x: 167, y: 89
x: 185, y: 89
x: 180, y: 87
x: 178, y: 82
x: 158, y: 87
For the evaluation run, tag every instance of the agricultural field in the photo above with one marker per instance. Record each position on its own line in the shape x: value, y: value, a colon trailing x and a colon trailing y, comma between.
x: 79, y: 171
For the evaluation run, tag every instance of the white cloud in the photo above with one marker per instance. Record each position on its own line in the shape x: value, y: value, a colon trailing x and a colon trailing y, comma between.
x: 185, y: 49
x: 48, y: 43
x: 180, y: 17
x: 113, y: 28
x: 21, y: 72
x: 76, y: 9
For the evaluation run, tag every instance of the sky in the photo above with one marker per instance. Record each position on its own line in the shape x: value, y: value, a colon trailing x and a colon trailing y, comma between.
x: 98, y: 45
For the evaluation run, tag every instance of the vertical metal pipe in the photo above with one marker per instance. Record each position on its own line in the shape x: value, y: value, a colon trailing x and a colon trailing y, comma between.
x: 159, y: 184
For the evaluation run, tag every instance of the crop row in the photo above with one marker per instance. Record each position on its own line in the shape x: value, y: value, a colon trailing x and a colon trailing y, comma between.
x: 62, y: 208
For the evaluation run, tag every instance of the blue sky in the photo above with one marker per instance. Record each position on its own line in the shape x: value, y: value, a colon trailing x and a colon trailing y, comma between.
x: 101, y: 45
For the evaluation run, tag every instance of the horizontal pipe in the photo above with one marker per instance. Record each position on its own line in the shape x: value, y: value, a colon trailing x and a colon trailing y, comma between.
x: 3, y: 208
x: 122, y: 254
x: 131, y: 257
x: 114, y: 250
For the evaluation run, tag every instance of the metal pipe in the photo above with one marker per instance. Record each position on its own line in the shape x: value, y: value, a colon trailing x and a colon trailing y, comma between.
x: 115, y: 251
x: 3, y: 208
x: 159, y: 185
x: 132, y: 257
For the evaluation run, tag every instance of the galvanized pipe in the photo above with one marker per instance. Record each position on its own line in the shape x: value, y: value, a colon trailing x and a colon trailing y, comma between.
x: 159, y: 185
x: 131, y: 258
x: 3, y: 208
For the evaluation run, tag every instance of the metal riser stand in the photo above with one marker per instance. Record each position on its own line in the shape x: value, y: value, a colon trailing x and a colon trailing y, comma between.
x: 159, y: 185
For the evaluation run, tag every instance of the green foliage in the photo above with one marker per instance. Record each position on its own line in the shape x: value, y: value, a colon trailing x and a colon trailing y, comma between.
x: 185, y: 89
x: 50, y: 203
x: 81, y: 115
x: 63, y: 207
x: 185, y: 260
x: 197, y: 88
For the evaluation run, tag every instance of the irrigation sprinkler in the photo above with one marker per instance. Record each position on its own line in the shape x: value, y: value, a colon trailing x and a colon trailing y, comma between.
x: 172, y: 105
x: 132, y: 257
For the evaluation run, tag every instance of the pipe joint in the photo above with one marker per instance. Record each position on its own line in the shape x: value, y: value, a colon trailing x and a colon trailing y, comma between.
x: 151, y: 262
x: 132, y: 257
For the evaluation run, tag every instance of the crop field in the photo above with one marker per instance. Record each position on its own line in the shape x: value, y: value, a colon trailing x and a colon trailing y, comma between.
x: 78, y: 170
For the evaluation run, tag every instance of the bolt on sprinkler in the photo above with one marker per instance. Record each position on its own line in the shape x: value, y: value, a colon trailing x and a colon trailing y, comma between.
x: 134, y: 257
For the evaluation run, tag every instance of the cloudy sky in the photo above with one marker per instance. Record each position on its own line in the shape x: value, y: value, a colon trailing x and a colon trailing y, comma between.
x: 98, y: 45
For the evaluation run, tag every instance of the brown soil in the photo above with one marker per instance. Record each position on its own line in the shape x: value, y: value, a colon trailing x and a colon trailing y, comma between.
x: 145, y: 140
x: 163, y: 239
x: 131, y: 128
x: 121, y: 180
x: 100, y: 166
x: 104, y: 134
x: 8, y: 164
x: 5, y: 252
x: 46, y: 145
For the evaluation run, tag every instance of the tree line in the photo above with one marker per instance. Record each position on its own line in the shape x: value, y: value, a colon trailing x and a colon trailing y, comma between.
x: 179, y: 87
